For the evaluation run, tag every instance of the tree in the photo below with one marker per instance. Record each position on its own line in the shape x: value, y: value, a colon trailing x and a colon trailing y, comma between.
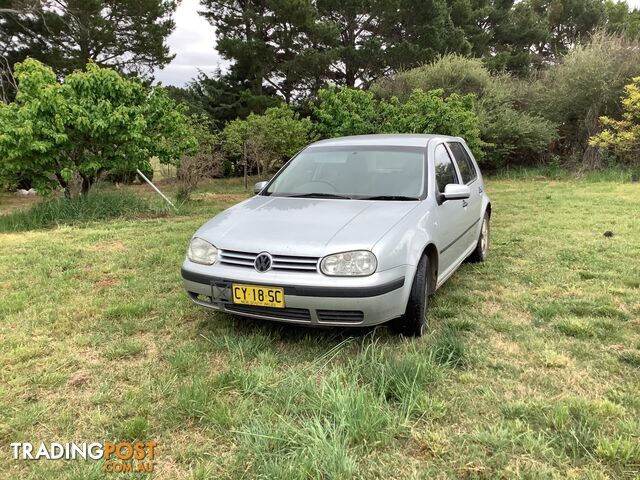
x: 223, y: 98
x: 204, y: 162
x: 95, y: 120
x: 535, y: 33
x: 357, y: 45
x: 127, y: 35
x: 623, y: 136
x: 620, y: 19
x: 518, y: 39
x: 277, y: 42
x: 297, y: 46
x: 417, y: 32
x: 266, y: 141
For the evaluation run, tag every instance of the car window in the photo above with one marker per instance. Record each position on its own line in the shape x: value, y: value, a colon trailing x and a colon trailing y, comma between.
x: 445, y: 171
x: 465, y: 164
x: 354, y: 172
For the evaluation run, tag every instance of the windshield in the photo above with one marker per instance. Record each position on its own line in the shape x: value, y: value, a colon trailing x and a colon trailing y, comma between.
x: 385, y: 173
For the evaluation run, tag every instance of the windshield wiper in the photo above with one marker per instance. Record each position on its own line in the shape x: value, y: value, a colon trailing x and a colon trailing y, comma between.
x: 389, y: 197
x: 317, y: 195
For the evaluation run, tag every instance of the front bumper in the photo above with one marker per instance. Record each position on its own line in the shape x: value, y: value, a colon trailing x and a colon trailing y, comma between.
x: 310, y: 298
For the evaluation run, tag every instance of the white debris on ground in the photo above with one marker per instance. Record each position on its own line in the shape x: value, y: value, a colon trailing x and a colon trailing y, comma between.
x: 25, y: 193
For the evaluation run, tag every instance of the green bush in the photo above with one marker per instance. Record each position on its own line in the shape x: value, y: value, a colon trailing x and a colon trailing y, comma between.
x: 63, y: 211
x: 584, y: 86
x: 345, y: 112
x: 452, y: 73
x: 127, y: 176
x: 357, y: 112
x: 623, y: 136
x: 267, y: 140
x: 511, y: 134
x: 227, y: 167
x: 430, y: 112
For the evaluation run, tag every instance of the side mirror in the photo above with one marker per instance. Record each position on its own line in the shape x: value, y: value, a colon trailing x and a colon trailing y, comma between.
x: 258, y: 187
x: 453, y: 191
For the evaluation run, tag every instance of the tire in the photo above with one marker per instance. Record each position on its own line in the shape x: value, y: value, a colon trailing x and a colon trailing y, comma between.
x: 414, y: 322
x: 482, y: 248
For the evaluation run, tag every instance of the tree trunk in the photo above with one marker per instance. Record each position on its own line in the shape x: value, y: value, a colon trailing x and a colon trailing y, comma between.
x: 64, y: 184
x: 87, y: 181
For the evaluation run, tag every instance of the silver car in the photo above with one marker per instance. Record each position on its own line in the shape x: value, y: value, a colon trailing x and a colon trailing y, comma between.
x: 352, y: 231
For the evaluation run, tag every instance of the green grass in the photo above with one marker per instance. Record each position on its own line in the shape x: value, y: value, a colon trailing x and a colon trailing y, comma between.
x: 96, y: 206
x: 531, y: 369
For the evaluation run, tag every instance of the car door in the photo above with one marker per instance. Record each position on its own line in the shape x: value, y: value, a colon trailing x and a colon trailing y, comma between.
x: 473, y: 205
x: 450, y: 213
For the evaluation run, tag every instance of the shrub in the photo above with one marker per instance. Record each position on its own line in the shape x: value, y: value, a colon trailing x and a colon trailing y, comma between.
x: 206, y: 162
x: 267, y: 140
x: 127, y: 176
x: 357, y: 112
x: 510, y: 133
x: 347, y: 111
x: 623, y: 136
x: 584, y: 86
x: 452, y: 73
x: 430, y: 112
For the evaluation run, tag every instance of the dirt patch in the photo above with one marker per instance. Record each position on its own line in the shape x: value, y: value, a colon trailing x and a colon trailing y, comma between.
x: 168, y: 469
x: 615, y: 348
x: 110, y: 247
x: 90, y: 356
x: 79, y: 379
x: 506, y: 346
x: 108, y: 281
x: 491, y: 308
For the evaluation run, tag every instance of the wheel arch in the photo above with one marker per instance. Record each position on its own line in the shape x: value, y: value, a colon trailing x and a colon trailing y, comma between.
x: 431, y: 252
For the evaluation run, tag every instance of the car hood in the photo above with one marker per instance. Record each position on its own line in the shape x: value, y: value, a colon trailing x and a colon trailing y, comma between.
x: 303, y: 226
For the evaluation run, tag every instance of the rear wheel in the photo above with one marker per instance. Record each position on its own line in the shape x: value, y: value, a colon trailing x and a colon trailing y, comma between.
x: 482, y: 248
x: 414, y: 322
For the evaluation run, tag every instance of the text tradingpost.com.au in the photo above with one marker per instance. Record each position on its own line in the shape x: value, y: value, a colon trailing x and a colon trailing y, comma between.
x: 118, y: 456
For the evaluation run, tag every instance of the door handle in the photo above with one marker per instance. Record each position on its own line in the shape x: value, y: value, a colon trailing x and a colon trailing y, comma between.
x: 464, y: 203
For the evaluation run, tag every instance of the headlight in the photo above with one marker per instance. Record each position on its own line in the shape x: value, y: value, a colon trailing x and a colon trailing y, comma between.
x: 201, y: 251
x: 359, y: 263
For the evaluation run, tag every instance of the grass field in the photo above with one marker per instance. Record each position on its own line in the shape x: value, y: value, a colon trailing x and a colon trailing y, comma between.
x: 531, y: 369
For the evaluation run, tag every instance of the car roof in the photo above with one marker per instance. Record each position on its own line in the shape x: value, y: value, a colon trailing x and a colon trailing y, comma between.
x: 395, y: 140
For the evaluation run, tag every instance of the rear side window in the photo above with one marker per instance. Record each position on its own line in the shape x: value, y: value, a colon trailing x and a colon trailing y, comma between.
x: 465, y: 164
x: 445, y: 171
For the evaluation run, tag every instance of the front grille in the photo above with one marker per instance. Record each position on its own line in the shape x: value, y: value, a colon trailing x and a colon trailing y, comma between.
x: 299, y: 314
x: 346, y: 316
x: 280, y: 262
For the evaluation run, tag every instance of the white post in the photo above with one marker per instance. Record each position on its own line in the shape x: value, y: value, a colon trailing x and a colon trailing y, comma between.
x: 156, y: 189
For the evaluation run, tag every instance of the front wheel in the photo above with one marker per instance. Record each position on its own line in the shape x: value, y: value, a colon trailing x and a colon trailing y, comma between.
x: 482, y: 248
x: 414, y: 322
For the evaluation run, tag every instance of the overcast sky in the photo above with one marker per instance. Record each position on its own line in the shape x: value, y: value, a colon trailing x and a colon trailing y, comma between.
x: 193, y: 42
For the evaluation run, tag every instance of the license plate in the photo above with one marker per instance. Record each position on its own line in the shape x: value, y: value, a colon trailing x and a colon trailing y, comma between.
x: 258, y: 295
